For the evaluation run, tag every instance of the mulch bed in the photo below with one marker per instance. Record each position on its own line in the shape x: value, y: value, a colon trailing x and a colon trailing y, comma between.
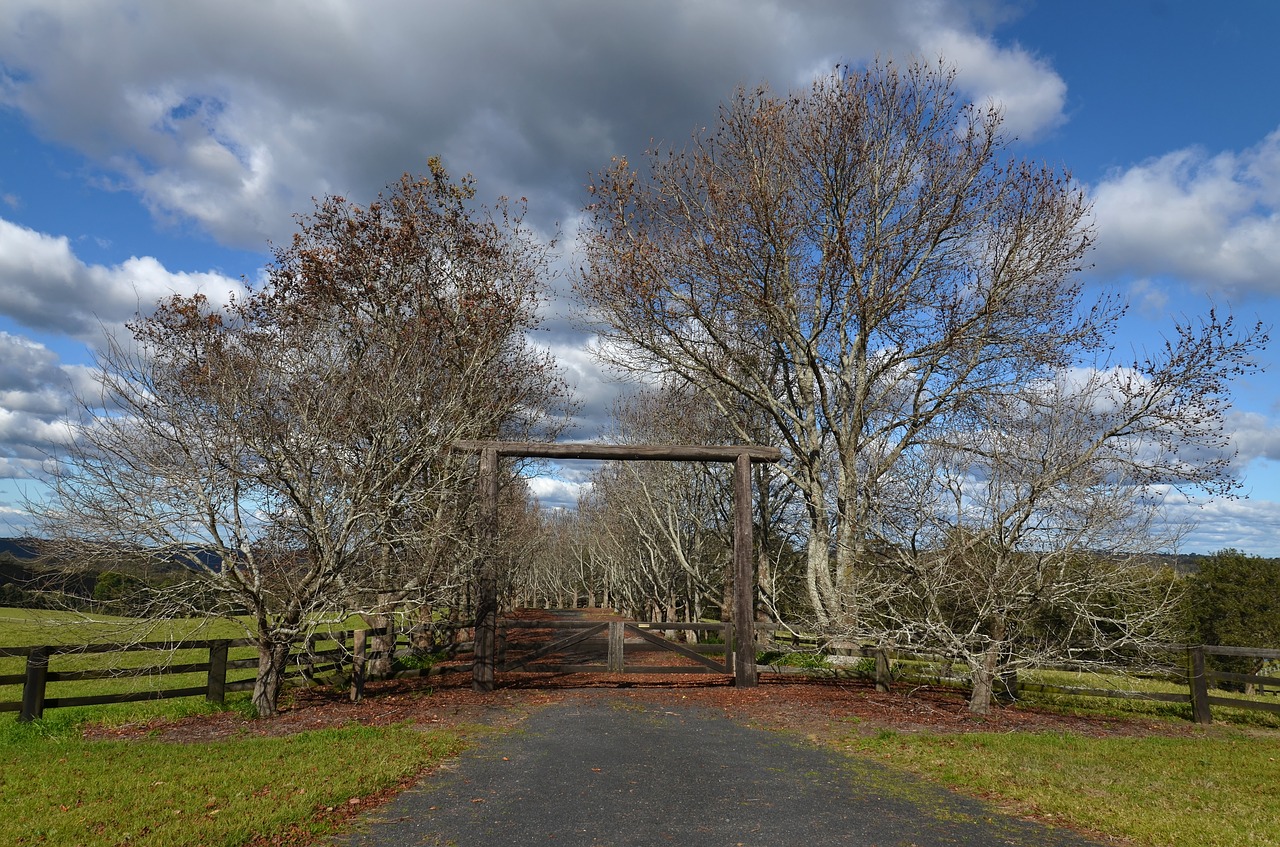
x: 803, y: 706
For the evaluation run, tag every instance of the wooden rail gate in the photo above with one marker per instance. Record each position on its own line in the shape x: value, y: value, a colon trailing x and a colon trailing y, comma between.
x: 583, y: 645
x: 742, y: 456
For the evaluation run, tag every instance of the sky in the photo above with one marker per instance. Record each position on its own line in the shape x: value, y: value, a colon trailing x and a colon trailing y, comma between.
x: 149, y: 148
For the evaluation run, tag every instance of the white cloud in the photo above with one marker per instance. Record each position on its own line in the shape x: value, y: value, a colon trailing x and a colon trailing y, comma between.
x: 1030, y: 94
x: 556, y: 493
x: 1213, y: 220
x: 46, y: 287
x: 1252, y: 526
x: 234, y: 114
x: 36, y: 393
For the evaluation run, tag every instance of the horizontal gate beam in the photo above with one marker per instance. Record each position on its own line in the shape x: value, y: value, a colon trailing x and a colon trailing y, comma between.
x: 656, y: 453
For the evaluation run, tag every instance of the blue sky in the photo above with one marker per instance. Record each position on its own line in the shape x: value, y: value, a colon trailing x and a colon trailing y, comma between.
x: 156, y: 147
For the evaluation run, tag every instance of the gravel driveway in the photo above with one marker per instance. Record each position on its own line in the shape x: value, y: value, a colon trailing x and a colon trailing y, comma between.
x: 599, y: 769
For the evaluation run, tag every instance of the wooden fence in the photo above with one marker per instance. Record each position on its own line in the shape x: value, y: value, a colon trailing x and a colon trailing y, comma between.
x: 305, y: 662
x: 308, y: 661
x: 1199, y: 680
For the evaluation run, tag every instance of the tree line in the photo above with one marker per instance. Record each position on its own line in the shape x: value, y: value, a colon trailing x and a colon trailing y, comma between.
x: 864, y: 273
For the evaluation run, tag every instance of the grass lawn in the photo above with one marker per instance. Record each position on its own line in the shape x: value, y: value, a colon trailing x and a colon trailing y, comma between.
x: 57, y: 789
x: 1218, y: 788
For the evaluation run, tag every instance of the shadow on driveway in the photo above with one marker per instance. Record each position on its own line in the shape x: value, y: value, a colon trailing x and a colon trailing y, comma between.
x: 604, y: 770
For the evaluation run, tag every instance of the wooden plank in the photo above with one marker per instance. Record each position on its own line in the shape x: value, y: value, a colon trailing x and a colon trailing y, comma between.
x: 13, y: 679
x: 554, y: 667
x: 134, y: 697
x: 127, y: 673
x: 744, y: 577
x: 124, y: 647
x: 557, y: 646
x: 672, y: 669
x: 1245, y: 704
x: 679, y: 649
x: 15, y: 652
x: 655, y: 453
x: 1107, y: 693
x: 1246, y: 652
x: 1246, y: 678
x: 15, y: 706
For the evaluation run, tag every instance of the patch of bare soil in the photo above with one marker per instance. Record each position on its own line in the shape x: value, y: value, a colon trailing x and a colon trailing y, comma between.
x: 810, y: 707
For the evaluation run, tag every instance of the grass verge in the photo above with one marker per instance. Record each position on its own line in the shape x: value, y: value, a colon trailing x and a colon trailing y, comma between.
x: 1216, y: 789
x: 57, y: 789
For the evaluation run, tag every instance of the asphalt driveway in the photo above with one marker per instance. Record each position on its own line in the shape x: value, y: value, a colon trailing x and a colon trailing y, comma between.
x: 599, y: 769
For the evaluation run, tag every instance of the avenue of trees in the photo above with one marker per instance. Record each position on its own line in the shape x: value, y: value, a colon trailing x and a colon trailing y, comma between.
x: 864, y: 274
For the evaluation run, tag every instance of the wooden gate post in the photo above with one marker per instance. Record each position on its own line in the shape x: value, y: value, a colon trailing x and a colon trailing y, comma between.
x: 617, y: 642
x: 744, y: 606
x: 359, y: 645
x: 216, y: 681
x: 33, y: 687
x: 482, y: 666
x: 1199, y: 682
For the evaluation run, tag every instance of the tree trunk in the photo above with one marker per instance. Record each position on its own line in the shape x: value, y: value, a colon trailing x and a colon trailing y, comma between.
x: 273, y: 659
x: 985, y: 670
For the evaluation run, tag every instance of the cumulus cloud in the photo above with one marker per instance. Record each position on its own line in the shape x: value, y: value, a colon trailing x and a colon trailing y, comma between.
x: 36, y: 392
x: 1245, y: 524
x: 46, y: 287
x: 555, y: 493
x: 1213, y: 220
x: 235, y: 114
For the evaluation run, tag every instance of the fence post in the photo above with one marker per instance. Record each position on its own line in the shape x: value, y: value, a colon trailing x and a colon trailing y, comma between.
x: 744, y: 577
x: 730, y: 651
x: 616, y: 662
x: 216, y: 685
x: 33, y: 687
x: 359, y: 637
x: 883, y: 676
x: 1199, y: 682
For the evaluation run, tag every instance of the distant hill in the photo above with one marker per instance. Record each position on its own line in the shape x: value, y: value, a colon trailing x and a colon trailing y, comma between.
x: 22, y: 549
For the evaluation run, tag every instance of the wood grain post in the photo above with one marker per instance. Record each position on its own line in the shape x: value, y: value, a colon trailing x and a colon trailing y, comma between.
x: 744, y: 572
x: 883, y: 674
x: 216, y: 682
x: 617, y: 641
x: 483, y: 664
x: 359, y: 641
x: 309, y: 658
x: 1199, y: 682
x: 33, y: 687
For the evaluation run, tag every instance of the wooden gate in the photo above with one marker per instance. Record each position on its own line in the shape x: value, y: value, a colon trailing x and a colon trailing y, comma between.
x: 594, y: 646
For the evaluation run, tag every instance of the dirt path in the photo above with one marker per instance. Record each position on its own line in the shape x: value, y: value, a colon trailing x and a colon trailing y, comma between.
x: 597, y: 768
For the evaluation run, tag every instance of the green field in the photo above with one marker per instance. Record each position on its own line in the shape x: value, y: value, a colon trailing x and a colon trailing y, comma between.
x: 57, y: 789
x: 36, y: 627
x: 1213, y: 787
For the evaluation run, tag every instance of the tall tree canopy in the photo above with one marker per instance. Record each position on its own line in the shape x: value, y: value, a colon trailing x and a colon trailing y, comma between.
x: 300, y: 437
x: 867, y: 266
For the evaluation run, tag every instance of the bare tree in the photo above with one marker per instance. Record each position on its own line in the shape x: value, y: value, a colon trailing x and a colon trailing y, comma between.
x: 292, y: 448
x: 857, y: 264
x: 1022, y: 543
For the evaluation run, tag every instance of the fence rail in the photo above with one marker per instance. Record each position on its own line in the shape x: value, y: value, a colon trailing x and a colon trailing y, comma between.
x: 306, y: 661
x: 1195, y: 674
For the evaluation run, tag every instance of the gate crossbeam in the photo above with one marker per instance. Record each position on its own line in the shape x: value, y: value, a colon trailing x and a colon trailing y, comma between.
x: 742, y: 456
